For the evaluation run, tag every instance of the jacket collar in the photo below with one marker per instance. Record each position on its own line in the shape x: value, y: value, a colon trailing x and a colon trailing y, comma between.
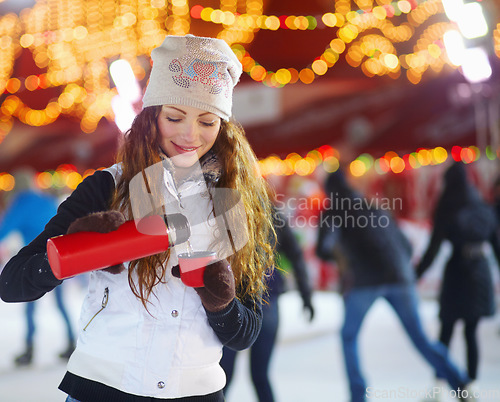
x: 210, y: 167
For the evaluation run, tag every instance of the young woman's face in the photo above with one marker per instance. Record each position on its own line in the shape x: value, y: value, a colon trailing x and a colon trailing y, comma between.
x: 187, y: 133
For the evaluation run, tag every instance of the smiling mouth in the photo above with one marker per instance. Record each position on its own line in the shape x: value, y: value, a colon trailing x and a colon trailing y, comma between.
x: 185, y: 149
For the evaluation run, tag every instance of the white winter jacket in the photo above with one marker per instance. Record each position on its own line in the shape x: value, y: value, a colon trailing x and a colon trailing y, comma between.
x: 169, y: 351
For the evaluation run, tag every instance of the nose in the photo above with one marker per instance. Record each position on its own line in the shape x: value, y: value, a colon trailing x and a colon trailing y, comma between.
x: 190, y: 133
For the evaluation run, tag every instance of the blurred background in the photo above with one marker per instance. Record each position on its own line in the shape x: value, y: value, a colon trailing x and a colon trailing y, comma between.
x: 392, y: 91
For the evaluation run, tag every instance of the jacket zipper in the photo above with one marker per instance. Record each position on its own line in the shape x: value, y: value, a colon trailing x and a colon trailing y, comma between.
x: 103, y: 306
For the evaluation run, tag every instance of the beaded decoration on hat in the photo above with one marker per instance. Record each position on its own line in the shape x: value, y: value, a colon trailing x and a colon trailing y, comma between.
x: 193, y: 71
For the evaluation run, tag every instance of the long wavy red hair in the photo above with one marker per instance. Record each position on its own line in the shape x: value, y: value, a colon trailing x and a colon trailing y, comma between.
x: 141, y: 149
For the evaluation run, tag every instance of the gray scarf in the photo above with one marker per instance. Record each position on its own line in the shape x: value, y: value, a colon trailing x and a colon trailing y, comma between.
x: 210, y: 166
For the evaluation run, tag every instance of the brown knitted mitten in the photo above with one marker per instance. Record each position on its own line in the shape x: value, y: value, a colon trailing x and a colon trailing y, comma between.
x: 219, y: 289
x: 101, y: 222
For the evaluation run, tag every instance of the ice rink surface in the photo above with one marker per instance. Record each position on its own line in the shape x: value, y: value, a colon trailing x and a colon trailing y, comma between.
x: 307, y: 364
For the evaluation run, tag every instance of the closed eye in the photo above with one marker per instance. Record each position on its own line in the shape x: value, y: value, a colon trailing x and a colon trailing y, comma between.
x: 208, y: 123
x: 172, y: 119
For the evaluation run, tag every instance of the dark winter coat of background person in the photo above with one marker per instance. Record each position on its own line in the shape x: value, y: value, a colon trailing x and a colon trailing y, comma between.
x: 373, y: 259
x: 464, y: 219
x: 374, y: 262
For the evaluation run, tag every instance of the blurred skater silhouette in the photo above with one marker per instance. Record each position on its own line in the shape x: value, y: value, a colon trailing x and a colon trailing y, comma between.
x: 27, y: 213
x: 496, y: 205
x: 464, y: 219
x: 262, y: 350
x: 373, y: 257
x: 496, y: 198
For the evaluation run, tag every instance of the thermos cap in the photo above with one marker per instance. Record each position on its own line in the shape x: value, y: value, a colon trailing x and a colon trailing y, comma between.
x: 178, y: 228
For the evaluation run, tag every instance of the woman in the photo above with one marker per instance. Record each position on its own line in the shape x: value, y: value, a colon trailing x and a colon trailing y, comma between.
x: 145, y: 335
x: 467, y: 293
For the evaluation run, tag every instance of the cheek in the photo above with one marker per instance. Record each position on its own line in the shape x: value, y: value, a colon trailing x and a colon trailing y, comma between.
x: 165, y: 132
x: 212, y: 139
x: 211, y: 136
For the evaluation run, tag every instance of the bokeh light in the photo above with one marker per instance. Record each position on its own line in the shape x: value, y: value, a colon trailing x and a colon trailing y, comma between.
x: 357, y: 168
x: 7, y: 182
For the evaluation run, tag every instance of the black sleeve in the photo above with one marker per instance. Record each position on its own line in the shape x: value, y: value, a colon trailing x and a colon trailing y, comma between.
x: 27, y: 276
x: 328, y: 236
x: 495, y: 243
x: 238, y: 325
x: 437, y: 238
x: 288, y: 245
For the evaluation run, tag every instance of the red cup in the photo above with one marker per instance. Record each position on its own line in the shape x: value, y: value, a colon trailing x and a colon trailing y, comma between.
x: 192, y: 267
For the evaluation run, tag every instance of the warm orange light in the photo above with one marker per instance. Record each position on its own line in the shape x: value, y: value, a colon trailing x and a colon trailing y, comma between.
x: 306, y: 76
x: 44, y: 180
x: 390, y: 154
x: 329, y: 19
x: 31, y: 82
x: 357, y: 168
x: 7, y: 182
x: 319, y: 67
x: 13, y: 85
x: 316, y: 156
x: 467, y: 155
x: 413, y: 161
x: 397, y: 164
x: 424, y: 157
x: 72, y: 54
x: 258, y: 73
x: 331, y: 164
x: 382, y: 165
x: 294, y: 75
x: 337, y: 45
x: 283, y: 76
x: 439, y: 155
x: 305, y: 167
x: 196, y: 11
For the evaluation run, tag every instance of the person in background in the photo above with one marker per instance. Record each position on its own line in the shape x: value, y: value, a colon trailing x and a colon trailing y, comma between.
x: 28, y: 212
x: 496, y: 205
x: 373, y: 256
x: 262, y: 350
x: 464, y: 219
x: 496, y: 198
x: 145, y: 335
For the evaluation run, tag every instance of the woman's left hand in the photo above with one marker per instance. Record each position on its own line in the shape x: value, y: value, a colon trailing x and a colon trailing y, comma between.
x: 219, y: 289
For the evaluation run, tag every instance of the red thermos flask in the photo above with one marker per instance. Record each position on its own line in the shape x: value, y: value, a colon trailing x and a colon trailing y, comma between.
x: 81, y: 252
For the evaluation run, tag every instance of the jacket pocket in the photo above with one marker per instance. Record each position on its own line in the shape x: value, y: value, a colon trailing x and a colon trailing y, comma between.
x: 104, y: 303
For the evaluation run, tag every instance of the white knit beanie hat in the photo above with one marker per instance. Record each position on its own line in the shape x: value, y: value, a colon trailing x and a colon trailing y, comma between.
x: 193, y: 71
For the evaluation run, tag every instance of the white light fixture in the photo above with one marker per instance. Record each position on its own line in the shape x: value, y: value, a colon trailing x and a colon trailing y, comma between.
x: 452, y: 8
x: 454, y: 45
x: 125, y: 81
x: 471, y: 21
x: 124, y: 113
x: 476, y: 65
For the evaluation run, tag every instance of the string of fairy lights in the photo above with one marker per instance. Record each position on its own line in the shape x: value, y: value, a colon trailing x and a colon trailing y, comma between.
x: 73, y: 42
x: 328, y: 158
x: 374, y: 53
x: 325, y: 157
